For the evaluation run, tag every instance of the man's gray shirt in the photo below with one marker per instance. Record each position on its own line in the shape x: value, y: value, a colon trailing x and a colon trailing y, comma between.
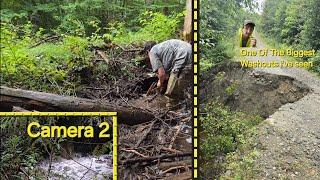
x: 172, y: 55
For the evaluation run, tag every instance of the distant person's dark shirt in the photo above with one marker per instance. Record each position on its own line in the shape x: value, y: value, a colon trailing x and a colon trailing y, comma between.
x: 244, y: 43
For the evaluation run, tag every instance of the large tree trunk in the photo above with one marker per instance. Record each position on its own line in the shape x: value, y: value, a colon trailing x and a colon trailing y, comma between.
x: 187, y: 27
x: 41, y: 101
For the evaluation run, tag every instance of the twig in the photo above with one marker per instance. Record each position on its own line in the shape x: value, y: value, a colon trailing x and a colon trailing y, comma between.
x: 50, y: 158
x: 19, y: 109
x: 132, y: 50
x: 185, y: 119
x: 94, y: 88
x: 152, y: 98
x: 166, y: 165
x: 104, y: 57
x: 171, y: 150
x: 152, y: 88
x: 175, y: 136
x: 145, y: 134
x: 120, y: 47
x: 87, y: 170
x: 181, y: 176
x: 143, y: 137
x: 146, y: 146
x: 135, y: 152
x: 5, y: 175
x: 44, y: 40
x: 174, y: 168
x: 25, y: 173
x: 163, y: 156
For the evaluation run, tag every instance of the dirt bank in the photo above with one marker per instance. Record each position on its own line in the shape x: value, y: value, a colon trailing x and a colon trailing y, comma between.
x: 249, y: 91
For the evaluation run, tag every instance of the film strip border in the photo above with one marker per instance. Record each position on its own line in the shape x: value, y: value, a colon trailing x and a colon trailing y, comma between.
x: 195, y: 25
x: 114, y: 126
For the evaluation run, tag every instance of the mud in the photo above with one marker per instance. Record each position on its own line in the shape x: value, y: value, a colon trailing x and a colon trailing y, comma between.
x: 250, y: 91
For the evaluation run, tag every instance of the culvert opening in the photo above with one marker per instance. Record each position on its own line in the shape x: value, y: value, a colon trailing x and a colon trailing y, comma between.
x: 145, y: 84
x: 248, y: 90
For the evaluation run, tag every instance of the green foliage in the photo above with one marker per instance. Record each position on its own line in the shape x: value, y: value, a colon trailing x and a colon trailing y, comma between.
x: 230, y: 89
x: 311, y: 30
x: 16, y: 62
x: 68, y: 16
x: 240, y: 166
x: 316, y: 62
x: 30, y: 62
x: 103, y: 149
x: 17, y: 158
x: 295, y: 23
x: 220, y: 21
x: 223, y: 132
x: 155, y: 26
x: 37, y: 66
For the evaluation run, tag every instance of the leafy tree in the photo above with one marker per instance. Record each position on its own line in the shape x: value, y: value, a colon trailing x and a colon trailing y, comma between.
x: 295, y: 23
x: 311, y: 29
x: 220, y: 21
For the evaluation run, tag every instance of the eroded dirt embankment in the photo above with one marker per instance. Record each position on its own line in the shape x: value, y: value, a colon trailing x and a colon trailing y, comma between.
x: 252, y: 92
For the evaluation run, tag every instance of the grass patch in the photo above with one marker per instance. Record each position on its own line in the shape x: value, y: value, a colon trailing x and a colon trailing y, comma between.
x: 213, y: 55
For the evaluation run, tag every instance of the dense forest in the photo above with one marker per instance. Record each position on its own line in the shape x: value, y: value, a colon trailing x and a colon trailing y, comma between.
x: 89, y: 49
x: 295, y: 23
x: 42, y: 41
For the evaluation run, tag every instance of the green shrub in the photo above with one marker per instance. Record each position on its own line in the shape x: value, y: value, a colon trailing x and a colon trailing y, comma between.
x: 316, y: 63
x: 222, y: 133
x: 155, y: 26
x: 17, y: 158
x: 42, y: 66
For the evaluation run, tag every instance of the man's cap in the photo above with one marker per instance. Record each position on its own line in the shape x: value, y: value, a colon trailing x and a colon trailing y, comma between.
x: 246, y: 22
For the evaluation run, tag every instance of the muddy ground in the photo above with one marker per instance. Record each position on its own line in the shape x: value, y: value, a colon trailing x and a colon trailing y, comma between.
x: 143, y: 148
x: 246, y: 90
x: 160, y: 148
x: 290, y: 137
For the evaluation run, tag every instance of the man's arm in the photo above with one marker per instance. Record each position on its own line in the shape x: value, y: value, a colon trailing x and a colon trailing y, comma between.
x: 157, y: 66
x: 253, y: 41
x: 155, y: 61
x: 162, y: 76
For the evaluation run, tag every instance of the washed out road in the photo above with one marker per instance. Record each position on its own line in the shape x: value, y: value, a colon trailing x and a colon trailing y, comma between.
x: 289, y: 139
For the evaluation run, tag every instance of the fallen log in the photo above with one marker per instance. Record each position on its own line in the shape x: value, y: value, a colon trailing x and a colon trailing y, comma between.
x: 41, y: 101
x: 18, y: 109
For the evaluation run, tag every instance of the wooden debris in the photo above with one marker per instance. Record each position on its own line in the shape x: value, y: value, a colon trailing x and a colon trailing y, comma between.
x: 41, y: 101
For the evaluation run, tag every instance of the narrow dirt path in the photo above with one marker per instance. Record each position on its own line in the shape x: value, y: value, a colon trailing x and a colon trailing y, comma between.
x: 289, y: 140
